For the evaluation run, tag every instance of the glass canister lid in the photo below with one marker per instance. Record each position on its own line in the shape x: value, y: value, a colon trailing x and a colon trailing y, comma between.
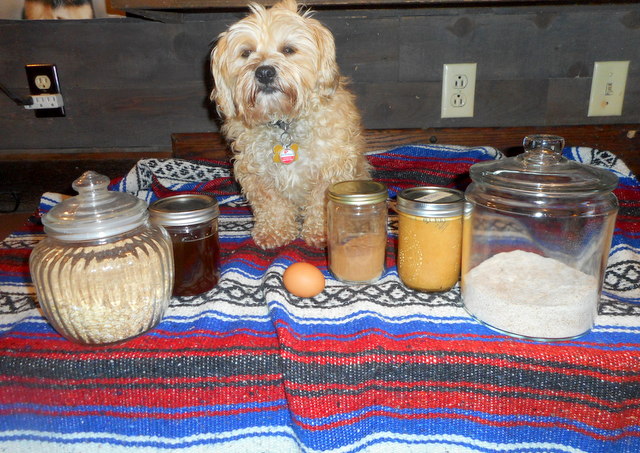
x: 94, y: 213
x: 542, y: 170
x: 184, y: 209
x: 358, y: 192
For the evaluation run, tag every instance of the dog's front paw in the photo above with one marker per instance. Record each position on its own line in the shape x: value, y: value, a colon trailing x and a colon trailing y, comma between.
x: 314, y: 237
x: 313, y: 227
x: 269, y: 236
x: 317, y: 241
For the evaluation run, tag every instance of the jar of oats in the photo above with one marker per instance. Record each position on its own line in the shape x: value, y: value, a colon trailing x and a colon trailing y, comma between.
x: 103, y: 274
x: 429, y: 237
x: 357, y: 230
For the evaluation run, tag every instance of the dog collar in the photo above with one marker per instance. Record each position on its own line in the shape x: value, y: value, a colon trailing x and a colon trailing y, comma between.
x: 286, y: 151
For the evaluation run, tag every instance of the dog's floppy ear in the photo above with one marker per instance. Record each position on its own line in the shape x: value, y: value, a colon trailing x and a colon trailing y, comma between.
x: 221, y: 93
x: 328, y: 73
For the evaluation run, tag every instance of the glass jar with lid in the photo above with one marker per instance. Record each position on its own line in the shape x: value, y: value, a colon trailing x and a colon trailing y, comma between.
x: 357, y: 230
x: 103, y: 274
x: 192, y: 223
x: 539, y: 236
x: 429, y: 237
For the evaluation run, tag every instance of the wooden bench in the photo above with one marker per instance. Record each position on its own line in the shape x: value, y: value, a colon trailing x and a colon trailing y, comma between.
x: 623, y: 140
x: 29, y: 174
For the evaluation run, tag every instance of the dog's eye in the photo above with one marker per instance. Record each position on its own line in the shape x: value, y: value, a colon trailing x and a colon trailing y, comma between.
x: 288, y: 50
x: 245, y: 53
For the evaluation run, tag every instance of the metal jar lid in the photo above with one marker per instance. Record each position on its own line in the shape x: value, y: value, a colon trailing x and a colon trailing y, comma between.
x: 430, y: 202
x: 184, y: 209
x: 358, y: 192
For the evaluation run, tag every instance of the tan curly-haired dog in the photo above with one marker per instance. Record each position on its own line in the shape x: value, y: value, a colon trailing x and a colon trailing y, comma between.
x: 292, y: 125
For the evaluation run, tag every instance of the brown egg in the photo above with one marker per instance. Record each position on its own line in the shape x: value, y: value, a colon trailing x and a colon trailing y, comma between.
x: 303, y: 280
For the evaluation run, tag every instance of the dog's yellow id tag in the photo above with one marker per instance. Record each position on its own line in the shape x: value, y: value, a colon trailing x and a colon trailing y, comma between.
x: 285, y: 154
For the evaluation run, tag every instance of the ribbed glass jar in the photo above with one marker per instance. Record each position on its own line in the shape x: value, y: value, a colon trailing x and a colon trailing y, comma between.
x: 103, y: 274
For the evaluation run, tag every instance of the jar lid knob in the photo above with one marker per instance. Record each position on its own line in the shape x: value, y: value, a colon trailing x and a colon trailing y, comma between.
x: 90, y: 182
x: 543, y: 149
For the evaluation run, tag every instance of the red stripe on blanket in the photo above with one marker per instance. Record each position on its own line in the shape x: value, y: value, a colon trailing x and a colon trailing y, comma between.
x: 442, y: 407
x: 368, y: 345
x: 168, y: 393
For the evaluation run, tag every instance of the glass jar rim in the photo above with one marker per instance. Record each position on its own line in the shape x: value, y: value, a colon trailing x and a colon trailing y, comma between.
x: 184, y: 209
x: 430, y: 201
x: 358, y: 192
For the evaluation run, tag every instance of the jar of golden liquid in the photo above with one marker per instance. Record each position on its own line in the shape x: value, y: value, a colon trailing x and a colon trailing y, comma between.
x: 429, y: 237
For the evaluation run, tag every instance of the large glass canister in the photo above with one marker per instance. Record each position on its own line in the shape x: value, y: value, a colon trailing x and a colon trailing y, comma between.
x: 429, y: 237
x: 538, y: 241
x: 103, y: 273
x: 357, y: 230
x: 192, y: 222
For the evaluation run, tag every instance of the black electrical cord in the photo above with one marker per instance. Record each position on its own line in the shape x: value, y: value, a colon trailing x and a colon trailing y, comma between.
x: 18, y: 100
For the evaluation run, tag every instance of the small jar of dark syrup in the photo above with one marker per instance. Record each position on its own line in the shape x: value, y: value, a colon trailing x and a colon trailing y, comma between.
x: 192, y: 223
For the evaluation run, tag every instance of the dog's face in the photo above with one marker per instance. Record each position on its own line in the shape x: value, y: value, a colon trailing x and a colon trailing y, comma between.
x: 272, y: 64
x: 58, y: 9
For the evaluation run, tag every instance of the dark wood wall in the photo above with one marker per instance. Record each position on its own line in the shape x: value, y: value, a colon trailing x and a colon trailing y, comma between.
x: 129, y: 83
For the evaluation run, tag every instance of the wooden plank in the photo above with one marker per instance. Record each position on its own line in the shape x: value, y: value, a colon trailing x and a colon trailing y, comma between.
x: 195, y: 146
x: 378, y: 59
x: 29, y: 175
x: 111, y: 53
x: 12, y: 222
x: 196, y: 4
x: 113, y: 117
x: 623, y: 140
x: 131, y: 83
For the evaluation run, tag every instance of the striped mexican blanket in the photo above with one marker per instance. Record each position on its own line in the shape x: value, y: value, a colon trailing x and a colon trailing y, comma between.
x: 247, y: 367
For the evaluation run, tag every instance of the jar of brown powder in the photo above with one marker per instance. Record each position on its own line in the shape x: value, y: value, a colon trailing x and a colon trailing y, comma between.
x: 357, y: 230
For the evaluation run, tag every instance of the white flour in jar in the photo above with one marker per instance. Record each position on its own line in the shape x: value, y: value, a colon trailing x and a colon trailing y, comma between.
x: 527, y: 294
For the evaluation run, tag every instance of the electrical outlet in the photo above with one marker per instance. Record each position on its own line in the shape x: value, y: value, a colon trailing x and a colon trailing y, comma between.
x: 45, y: 101
x: 607, y: 88
x: 44, y: 86
x: 458, y: 90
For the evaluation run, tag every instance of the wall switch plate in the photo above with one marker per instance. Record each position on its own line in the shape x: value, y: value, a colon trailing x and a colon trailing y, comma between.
x: 44, y: 86
x: 607, y: 88
x: 458, y: 90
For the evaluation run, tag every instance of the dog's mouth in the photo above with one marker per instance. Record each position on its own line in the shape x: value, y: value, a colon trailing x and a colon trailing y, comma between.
x: 267, y: 79
x: 268, y: 89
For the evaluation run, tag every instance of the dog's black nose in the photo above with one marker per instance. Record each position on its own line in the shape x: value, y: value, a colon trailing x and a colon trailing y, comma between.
x: 265, y: 74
